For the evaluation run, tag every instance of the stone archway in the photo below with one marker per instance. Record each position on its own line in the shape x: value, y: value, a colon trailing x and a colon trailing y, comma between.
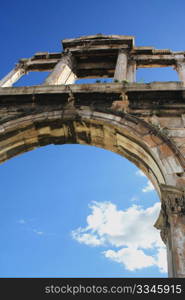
x: 119, y: 134
x: 142, y: 122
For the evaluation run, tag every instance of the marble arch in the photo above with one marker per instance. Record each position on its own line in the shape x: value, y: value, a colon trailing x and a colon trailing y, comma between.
x: 143, y: 122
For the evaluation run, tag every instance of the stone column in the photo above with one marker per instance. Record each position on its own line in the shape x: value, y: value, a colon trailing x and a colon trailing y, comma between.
x: 12, y: 76
x: 172, y: 225
x: 180, y: 68
x: 131, y: 71
x: 63, y: 73
x: 121, y: 66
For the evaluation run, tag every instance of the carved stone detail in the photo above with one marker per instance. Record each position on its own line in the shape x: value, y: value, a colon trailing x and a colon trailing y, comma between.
x: 173, y: 202
x: 69, y: 60
x: 180, y: 68
x: 175, y: 205
x: 162, y: 223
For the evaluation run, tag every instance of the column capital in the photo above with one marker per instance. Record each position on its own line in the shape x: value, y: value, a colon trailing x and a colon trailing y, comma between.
x: 180, y: 68
x: 179, y: 64
x: 172, y: 203
x: 68, y: 58
x: 173, y: 199
x: 131, y: 60
x: 123, y: 50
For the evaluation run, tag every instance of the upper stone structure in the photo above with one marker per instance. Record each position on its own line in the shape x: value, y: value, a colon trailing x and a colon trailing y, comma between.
x: 112, y: 56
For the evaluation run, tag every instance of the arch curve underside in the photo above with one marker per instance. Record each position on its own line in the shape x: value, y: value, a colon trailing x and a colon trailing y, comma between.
x: 124, y: 135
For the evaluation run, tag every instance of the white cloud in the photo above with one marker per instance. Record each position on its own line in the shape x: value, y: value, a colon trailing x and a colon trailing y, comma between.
x: 21, y: 221
x: 30, y: 228
x: 132, y: 229
x: 140, y: 173
x: 134, y: 259
x: 87, y: 238
x: 131, y: 258
x: 134, y: 198
x: 161, y: 259
x: 148, y: 188
x: 38, y: 232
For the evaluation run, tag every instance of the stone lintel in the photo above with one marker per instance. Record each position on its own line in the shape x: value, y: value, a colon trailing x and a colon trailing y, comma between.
x: 166, y: 98
x: 98, y: 41
x: 43, y: 61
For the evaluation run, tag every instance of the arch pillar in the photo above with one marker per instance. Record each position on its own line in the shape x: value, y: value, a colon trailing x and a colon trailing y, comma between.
x: 171, y: 222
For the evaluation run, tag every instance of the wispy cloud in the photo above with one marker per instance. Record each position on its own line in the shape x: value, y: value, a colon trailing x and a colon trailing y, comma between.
x: 149, y: 186
x: 38, y: 232
x: 28, y: 225
x: 130, y: 230
x: 21, y: 221
x: 140, y: 173
x: 134, y: 199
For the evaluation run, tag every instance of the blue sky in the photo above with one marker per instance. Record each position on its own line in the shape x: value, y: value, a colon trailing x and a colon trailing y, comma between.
x: 73, y: 210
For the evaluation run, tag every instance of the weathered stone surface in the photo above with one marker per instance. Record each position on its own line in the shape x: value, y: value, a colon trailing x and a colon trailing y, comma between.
x: 12, y: 77
x: 175, y: 122
x: 183, y: 119
x: 176, y: 132
x: 165, y: 151
x: 152, y: 140
x: 171, y: 222
x: 179, y: 141
x: 131, y: 71
x: 63, y: 73
x: 121, y: 66
x: 180, y: 66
